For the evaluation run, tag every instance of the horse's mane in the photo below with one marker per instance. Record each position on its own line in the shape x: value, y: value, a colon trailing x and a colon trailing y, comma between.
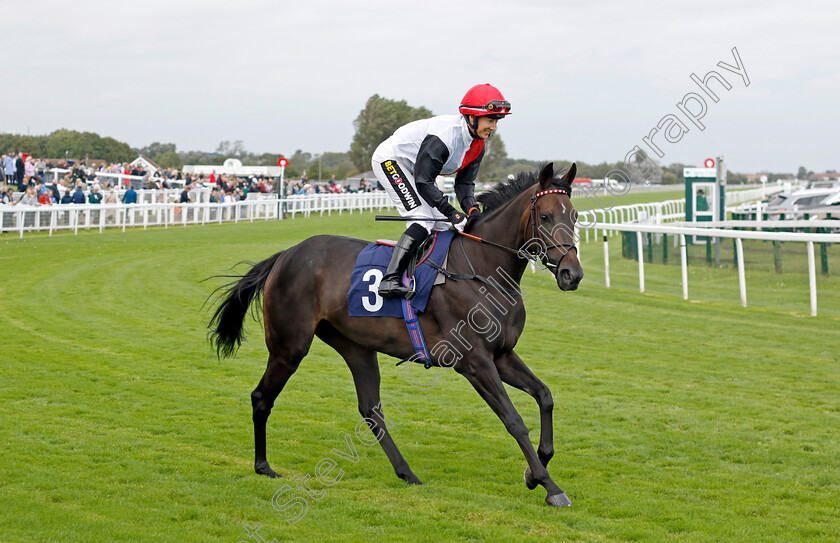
x: 507, y: 191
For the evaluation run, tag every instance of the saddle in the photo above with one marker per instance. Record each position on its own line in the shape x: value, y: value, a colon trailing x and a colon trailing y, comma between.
x: 420, y: 254
x: 372, y: 263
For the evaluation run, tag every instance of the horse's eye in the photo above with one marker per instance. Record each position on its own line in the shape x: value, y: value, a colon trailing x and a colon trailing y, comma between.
x: 544, y: 216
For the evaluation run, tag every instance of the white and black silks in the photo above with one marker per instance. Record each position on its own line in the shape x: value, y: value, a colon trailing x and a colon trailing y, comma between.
x: 407, y: 164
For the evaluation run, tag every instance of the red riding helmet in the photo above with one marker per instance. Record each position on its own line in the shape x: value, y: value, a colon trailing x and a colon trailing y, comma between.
x: 484, y: 100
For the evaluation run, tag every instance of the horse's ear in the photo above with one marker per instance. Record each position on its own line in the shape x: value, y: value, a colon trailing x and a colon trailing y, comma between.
x: 570, y: 175
x: 546, y: 175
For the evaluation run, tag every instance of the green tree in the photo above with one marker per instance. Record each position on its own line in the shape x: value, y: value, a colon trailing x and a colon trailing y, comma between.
x: 376, y: 122
x: 495, y: 160
x: 156, y: 149
x: 264, y: 159
x: 201, y: 157
x: 116, y: 151
x: 300, y: 162
x: 77, y: 145
x: 232, y: 149
x: 15, y: 143
x: 61, y: 144
x: 732, y: 178
x: 169, y: 159
x: 669, y: 178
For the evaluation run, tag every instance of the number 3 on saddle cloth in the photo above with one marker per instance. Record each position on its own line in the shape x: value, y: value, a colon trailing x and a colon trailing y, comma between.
x: 364, y: 299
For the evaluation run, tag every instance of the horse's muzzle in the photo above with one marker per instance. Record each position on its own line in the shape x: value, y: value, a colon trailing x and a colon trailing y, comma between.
x: 568, y: 272
x: 569, y: 276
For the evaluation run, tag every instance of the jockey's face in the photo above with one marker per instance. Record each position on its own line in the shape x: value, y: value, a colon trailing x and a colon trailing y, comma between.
x: 486, y: 127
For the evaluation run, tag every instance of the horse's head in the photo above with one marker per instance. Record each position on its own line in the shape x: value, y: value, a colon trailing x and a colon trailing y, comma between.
x: 551, y: 226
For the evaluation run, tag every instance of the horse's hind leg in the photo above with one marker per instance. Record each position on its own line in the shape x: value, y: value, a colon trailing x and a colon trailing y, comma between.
x: 277, y: 373
x: 288, y: 341
x: 365, y: 369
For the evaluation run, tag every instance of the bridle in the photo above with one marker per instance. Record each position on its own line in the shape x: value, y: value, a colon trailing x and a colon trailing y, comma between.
x: 537, y: 233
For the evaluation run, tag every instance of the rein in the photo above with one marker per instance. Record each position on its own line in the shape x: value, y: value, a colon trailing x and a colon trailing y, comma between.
x: 518, y: 252
x: 532, y: 218
x: 472, y: 275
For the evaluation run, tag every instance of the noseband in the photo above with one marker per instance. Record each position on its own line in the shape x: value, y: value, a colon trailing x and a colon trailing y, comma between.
x: 538, y: 234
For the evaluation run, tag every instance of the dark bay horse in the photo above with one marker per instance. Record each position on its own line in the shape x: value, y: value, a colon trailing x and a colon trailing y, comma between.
x: 473, y: 323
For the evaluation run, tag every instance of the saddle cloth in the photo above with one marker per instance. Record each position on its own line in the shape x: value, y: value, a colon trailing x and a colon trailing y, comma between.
x: 363, y: 299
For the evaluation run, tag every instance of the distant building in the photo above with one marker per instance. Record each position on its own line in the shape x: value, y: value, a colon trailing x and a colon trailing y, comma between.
x: 825, y: 176
x: 756, y: 177
x: 233, y: 166
x: 145, y: 164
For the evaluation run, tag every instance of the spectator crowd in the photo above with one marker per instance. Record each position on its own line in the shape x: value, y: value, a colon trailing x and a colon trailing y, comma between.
x: 41, y: 181
x: 331, y: 186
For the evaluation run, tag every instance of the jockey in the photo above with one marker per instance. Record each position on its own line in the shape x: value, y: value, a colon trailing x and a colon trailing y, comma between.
x: 407, y: 164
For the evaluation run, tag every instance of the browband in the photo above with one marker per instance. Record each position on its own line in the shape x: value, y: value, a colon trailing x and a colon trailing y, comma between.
x: 551, y: 191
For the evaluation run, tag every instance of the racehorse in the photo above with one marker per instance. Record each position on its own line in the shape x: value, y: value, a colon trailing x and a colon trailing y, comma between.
x: 304, y: 292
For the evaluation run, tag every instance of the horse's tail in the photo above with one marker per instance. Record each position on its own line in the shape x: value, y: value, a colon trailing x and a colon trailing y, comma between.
x: 226, y: 326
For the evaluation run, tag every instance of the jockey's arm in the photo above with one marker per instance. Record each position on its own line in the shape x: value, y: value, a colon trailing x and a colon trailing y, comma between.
x: 431, y: 157
x: 465, y: 184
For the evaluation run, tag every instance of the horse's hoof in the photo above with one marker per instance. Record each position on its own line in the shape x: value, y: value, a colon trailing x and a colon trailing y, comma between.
x: 411, y: 479
x: 558, y: 500
x: 530, y: 482
x: 265, y: 469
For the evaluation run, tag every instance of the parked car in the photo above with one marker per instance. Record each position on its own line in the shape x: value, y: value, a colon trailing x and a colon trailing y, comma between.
x: 786, y: 205
x: 824, y: 185
x: 829, y: 208
x: 792, y: 205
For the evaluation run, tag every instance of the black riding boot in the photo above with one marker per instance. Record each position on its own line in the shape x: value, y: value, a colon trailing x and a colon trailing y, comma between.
x: 391, y: 284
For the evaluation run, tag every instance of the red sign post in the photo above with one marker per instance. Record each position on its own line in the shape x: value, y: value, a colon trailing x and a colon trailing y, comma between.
x: 281, y: 193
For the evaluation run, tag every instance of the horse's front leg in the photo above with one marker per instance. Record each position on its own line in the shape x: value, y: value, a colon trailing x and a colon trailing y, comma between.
x: 482, y: 375
x: 514, y: 372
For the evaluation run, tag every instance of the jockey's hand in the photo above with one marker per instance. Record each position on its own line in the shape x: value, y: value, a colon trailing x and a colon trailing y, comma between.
x: 458, y: 220
x: 475, y: 216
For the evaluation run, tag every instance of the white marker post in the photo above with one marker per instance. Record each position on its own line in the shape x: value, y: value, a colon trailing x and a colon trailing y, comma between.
x: 281, y: 193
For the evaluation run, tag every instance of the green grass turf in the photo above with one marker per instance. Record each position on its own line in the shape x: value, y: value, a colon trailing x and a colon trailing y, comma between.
x: 585, y: 200
x: 675, y: 420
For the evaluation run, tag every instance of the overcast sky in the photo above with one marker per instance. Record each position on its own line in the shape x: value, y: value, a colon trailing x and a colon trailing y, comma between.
x: 587, y: 79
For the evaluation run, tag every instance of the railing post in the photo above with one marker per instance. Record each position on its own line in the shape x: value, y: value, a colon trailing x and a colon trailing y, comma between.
x: 812, y: 278
x: 824, y: 259
x: 641, y: 255
x: 650, y: 247
x: 606, y: 260
x: 684, y: 266
x: 742, y: 281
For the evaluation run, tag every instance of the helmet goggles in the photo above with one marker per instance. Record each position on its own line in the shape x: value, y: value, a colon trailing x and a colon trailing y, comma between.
x: 500, y: 106
x: 495, y: 109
